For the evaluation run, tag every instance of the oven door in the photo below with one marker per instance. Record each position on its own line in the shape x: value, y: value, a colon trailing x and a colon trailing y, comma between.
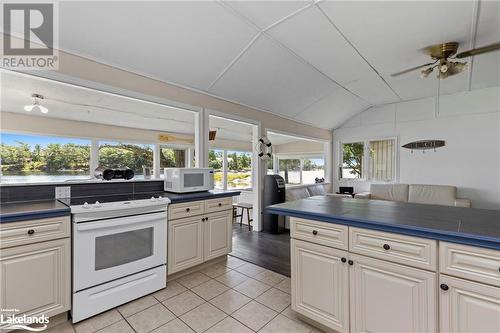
x: 113, y: 248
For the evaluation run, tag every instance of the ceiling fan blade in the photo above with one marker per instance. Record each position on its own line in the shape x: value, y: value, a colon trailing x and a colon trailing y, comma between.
x: 413, y: 69
x: 479, y: 50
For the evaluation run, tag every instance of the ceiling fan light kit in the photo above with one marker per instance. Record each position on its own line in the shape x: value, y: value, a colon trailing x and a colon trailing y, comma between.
x: 36, y: 104
x: 441, y: 54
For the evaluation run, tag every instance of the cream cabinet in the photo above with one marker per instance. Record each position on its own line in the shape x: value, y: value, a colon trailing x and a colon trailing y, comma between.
x: 394, y: 282
x: 466, y: 306
x: 185, y: 243
x: 217, y: 234
x: 320, y: 284
x: 35, y: 278
x: 201, y: 237
x: 387, y: 297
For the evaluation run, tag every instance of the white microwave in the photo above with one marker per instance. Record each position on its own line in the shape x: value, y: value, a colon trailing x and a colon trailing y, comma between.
x: 183, y: 180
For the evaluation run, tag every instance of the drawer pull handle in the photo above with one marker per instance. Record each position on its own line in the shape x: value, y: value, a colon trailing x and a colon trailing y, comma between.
x: 220, y: 204
x: 350, y: 262
x: 343, y: 260
x: 188, y: 209
x: 315, y: 232
x: 386, y: 247
x: 444, y: 286
x: 31, y: 232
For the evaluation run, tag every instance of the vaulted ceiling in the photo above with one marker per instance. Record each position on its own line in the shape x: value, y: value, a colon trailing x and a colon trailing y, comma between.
x: 315, y: 62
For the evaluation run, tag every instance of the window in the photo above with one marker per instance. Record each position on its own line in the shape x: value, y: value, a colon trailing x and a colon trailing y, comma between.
x: 270, y: 166
x: 126, y: 155
x: 36, y: 158
x: 172, y: 158
x: 382, y: 160
x: 290, y: 170
x: 239, y: 170
x: 381, y: 157
x: 352, y: 159
x: 215, y: 158
x: 312, y: 169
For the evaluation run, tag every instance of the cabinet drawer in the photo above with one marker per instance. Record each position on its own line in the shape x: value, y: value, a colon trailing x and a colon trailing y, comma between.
x: 412, y: 251
x: 32, y: 231
x: 323, y: 233
x: 187, y: 209
x: 469, y: 262
x: 216, y: 205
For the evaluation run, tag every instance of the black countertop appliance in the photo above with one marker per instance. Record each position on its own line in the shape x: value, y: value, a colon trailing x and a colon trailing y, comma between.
x: 274, y: 193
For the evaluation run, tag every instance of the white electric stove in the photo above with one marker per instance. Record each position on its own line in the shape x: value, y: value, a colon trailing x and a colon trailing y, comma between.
x: 119, y: 250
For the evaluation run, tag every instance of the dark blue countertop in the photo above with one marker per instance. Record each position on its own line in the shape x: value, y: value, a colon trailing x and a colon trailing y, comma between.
x: 28, y: 210
x: 478, y: 227
x: 186, y: 197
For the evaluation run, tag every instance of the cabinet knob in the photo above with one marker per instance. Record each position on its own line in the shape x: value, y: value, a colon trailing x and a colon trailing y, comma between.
x: 315, y: 232
x: 206, y: 218
x: 444, y: 286
x: 343, y: 260
x: 188, y: 209
x: 220, y: 204
x: 31, y: 232
x: 202, y: 219
x: 387, y: 246
x: 350, y: 262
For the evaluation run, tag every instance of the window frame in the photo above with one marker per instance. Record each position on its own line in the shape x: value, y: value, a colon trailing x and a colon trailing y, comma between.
x: 301, y: 158
x: 366, y: 159
x: 94, y: 154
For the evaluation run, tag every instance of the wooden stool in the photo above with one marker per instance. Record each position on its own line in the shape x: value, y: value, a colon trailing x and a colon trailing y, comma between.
x: 243, y: 206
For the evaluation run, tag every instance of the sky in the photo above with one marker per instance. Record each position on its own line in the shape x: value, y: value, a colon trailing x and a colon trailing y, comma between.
x: 10, y: 139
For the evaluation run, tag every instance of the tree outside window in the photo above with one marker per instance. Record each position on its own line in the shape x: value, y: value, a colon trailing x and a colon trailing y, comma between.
x: 125, y: 155
x: 352, y: 160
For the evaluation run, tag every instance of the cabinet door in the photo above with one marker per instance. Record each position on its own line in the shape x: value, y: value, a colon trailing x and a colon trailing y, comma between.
x: 35, y: 279
x: 468, y: 306
x: 320, y: 284
x: 387, y: 297
x: 185, y: 243
x: 218, y: 234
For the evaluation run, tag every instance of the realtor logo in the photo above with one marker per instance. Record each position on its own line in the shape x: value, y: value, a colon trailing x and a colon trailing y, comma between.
x: 29, y: 36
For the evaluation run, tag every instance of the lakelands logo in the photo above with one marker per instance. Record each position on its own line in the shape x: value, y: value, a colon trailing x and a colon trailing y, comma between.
x: 10, y: 321
x: 29, y: 36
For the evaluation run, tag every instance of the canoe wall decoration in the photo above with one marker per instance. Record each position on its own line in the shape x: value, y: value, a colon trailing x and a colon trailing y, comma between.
x: 424, y: 145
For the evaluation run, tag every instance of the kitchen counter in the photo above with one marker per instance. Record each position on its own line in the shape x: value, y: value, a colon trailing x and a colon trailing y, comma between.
x: 186, y: 197
x: 478, y: 227
x: 29, y: 210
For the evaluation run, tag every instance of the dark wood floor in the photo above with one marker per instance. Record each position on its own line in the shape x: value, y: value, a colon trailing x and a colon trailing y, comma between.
x: 266, y: 250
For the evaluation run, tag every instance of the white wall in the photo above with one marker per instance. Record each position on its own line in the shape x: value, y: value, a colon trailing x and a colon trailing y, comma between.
x: 469, y: 122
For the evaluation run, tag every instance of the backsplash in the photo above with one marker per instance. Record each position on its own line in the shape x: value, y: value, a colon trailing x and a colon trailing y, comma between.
x: 42, y: 192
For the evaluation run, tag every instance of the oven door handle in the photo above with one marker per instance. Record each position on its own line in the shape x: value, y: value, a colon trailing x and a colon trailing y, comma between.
x: 103, y: 224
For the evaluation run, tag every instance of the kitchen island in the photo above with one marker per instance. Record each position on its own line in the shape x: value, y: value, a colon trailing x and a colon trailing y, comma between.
x: 378, y: 266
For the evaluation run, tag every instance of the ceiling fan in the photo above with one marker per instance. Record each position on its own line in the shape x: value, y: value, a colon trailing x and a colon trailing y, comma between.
x: 443, y: 56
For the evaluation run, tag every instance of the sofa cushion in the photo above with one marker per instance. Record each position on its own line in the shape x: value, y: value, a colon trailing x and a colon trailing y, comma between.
x: 432, y: 194
x: 316, y: 190
x: 297, y: 193
x: 391, y: 192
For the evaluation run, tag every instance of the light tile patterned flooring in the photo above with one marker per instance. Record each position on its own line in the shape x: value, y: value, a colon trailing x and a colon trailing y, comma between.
x: 230, y: 296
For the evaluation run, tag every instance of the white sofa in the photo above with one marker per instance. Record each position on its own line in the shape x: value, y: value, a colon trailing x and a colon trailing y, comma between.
x: 444, y: 195
x: 304, y: 191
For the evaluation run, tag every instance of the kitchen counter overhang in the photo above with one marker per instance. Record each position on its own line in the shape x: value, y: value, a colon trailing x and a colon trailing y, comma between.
x: 470, y: 226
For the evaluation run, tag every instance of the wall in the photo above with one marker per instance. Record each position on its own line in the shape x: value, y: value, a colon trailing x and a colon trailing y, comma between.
x: 469, y: 122
x: 308, y: 147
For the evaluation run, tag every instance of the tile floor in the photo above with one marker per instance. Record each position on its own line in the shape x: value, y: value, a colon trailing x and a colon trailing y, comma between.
x: 232, y: 296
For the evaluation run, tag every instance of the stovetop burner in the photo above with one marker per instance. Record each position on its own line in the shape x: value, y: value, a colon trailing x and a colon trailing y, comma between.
x: 110, y: 198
